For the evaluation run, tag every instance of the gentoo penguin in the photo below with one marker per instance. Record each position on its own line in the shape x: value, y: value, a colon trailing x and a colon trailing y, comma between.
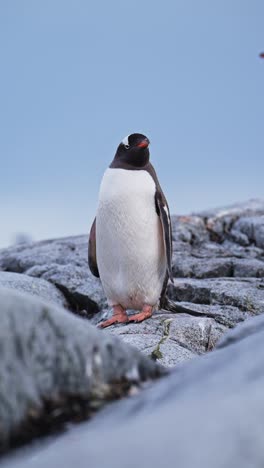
x: 130, y: 244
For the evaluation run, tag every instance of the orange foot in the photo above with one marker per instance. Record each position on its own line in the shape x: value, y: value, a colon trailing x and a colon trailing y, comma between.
x: 143, y: 315
x: 119, y: 316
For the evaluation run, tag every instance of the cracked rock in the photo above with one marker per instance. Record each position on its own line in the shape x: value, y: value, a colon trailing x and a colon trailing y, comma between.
x: 171, y: 338
x: 245, y: 294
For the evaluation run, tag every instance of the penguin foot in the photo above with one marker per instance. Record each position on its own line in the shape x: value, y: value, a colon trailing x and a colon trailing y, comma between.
x: 143, y: 315
x: 119, y: 316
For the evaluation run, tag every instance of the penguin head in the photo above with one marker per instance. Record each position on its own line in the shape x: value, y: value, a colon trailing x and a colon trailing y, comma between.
x: 133, y: 150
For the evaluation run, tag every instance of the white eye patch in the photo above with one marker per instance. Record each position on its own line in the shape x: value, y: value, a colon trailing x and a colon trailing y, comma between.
x: 125, y: 141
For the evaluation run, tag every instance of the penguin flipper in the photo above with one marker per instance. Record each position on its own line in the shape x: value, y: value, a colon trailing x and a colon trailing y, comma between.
x: 164, y: 215
x: 92, y: 251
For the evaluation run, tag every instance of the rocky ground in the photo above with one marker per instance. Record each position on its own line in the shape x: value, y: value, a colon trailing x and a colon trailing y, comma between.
x: 56, y: 367
x: 54, y: 370
x: 218, y: 265
x: 207, y: 414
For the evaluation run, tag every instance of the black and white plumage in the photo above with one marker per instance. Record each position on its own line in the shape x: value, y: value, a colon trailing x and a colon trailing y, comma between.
x: 130, y: 244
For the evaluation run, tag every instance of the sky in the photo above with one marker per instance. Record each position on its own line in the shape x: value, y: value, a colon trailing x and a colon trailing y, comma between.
x: 79, y: 75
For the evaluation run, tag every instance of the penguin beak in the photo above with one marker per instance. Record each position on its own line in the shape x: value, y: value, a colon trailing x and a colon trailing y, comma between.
x: 143, y: 143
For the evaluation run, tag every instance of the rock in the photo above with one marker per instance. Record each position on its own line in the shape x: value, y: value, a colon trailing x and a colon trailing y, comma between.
x: 220, y: 221
x: 218, y: 265
x: 253, y: 228
x: 35, y: 286
x: 251, y: 207
x: 248, y: 268
x: 63, y: 262
x: 195, y: 267
x: 251, y: 327
x: 238, y: 237
x: 55, y: 367
x: 226, y: 315
x: 207, y: 414
x: 202, y: 267
x: 189, y: 229
x: 172, y: 338
x: 245, y: 294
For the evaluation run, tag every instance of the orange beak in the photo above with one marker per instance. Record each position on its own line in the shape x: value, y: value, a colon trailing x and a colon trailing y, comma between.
x: 143, y: 144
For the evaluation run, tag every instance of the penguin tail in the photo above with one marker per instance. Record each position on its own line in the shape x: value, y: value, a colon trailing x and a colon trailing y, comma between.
x: 174, y: 307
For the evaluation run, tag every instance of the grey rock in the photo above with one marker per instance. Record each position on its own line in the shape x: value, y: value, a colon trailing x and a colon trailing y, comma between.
x: 246, y: 294
x: 248, y: 268
x: 173, y: 338
x: 198, y: 334
x: 226, y: 315
x: 243, y: 330
x: 63, y: 262
x: 35, y: 286
x: 208, y: 265
x: 254, y: 206
x: 189, y: 229
x: 218, y: 264
x: 222, y: 220
x: 227, y: 242
x: 253, y: 228
x: 49, y: 355
x: 194, y: 267
x: 239, y: 237
x: 216, y: 267
x: 207, y: 414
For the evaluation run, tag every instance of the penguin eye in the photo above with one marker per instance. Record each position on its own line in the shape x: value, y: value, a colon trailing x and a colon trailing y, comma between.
x: 125, y: 142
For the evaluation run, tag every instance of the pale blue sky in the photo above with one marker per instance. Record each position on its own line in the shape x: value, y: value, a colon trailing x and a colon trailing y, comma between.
x: 77, y: 76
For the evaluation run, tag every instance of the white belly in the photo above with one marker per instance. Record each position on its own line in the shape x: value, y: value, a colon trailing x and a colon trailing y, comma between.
x: 129, y: 243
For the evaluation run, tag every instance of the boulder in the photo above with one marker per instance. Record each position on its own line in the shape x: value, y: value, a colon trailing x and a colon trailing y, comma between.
x: 56, y: 367
x: 207, y: 414
x: 218, y: 265
x: 35, y: 286
x: 254, y: 207
x: 253, y: 228
x: 63, y: 262
x: 247, y: 294
x: 172, y: 338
